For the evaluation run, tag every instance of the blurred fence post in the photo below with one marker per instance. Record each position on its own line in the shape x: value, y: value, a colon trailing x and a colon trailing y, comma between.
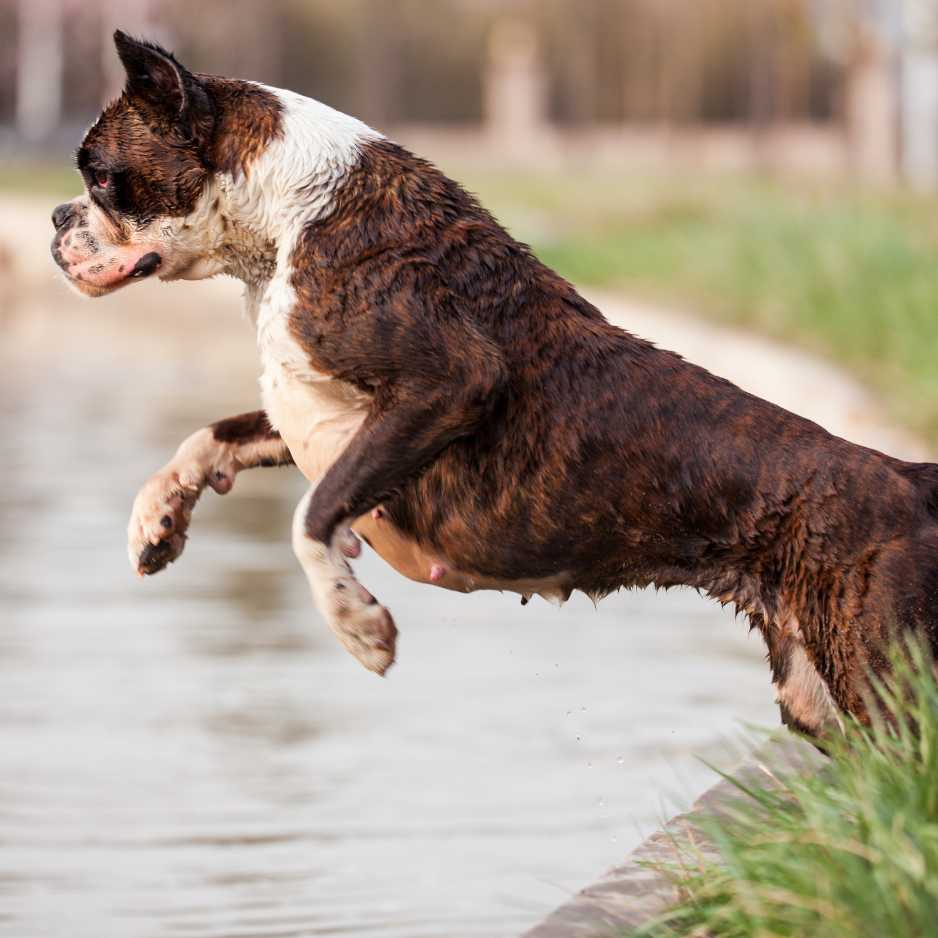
x: 515, y: 87
x: 919, y: 94
x: 377, y: 64
x: 872, y: 105
x: 39, y: 68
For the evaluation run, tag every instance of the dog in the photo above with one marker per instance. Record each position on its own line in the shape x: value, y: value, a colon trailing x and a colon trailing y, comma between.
x: 457, y: 405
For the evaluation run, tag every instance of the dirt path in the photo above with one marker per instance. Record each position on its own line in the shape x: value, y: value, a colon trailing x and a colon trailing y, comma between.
x: 787, y: 376
x: 779, y: 373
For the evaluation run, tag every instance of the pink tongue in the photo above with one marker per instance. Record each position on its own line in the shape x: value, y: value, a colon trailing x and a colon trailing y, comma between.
x: 107, y: 271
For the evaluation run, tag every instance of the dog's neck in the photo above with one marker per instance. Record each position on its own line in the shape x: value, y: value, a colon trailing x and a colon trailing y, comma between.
x: 258, y: 214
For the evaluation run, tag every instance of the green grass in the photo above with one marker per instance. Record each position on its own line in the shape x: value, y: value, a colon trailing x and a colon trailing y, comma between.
x: 43, y: 180
x: 849, y: 275
x: 851, y: 852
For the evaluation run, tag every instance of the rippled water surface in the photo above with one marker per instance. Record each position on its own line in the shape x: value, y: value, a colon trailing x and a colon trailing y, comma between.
x: 195, y: 756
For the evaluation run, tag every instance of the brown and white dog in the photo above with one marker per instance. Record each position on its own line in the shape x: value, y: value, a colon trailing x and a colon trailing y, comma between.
x: 461, y: 408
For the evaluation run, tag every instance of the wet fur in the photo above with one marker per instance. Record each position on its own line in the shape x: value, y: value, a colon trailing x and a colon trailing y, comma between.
x: 592, y: 453
x: 502, y: 429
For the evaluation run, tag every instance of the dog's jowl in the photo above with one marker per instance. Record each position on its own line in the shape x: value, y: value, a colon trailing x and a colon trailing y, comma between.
x: 461, y: 408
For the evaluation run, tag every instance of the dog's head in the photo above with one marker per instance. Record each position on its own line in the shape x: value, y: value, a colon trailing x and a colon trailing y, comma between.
x: 146, y: 164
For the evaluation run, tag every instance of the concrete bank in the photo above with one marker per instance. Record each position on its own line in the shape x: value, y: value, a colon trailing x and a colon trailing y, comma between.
x: 633, y: 894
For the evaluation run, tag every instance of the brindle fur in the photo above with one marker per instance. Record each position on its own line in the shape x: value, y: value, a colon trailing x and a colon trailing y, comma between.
x: 515, y: 435
x: 245, y: 428
x: 159, y: 165
x: 518, y: 434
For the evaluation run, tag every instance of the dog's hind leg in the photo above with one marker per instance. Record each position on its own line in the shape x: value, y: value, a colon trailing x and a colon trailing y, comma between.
x: 434, y: 379
x: 804, y: 700
x: 211, y: 457
x: 364, y: 627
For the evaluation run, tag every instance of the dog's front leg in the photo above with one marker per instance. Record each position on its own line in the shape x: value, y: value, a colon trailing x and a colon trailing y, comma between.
x: 413, y: 417
x: 212, y: 456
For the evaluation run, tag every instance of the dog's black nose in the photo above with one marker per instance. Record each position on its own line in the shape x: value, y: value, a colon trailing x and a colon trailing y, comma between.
x: 62, y: 214
x: 146, y: 265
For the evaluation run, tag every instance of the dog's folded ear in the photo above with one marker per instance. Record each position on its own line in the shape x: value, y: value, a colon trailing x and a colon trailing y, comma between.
x: 166, y: 88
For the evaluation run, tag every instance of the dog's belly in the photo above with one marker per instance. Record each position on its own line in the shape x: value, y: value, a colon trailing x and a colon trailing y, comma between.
x: 317, y: 416
x: 424, y: 566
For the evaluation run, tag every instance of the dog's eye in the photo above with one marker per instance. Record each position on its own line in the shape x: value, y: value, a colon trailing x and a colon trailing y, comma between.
x: 101, y: 178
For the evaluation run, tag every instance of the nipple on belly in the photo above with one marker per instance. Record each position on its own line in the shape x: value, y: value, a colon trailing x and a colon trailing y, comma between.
x: 437, y: 572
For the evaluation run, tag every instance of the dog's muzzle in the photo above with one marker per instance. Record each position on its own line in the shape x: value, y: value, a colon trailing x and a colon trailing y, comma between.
x: 92, y: 264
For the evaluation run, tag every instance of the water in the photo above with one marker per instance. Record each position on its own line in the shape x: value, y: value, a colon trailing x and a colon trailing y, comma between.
x: 195, y: 756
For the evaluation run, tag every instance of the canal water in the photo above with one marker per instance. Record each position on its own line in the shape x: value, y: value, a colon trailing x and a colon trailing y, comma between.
x: 194, y: 756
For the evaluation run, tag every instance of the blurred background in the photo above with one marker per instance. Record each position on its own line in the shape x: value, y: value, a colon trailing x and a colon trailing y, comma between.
x: 753, y: 182
x: 818, y: 85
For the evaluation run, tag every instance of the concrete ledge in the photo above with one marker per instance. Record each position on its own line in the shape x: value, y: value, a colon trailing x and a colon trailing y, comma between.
x: 630, y: 895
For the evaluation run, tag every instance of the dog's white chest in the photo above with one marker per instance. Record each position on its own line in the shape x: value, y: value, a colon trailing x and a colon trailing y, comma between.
x: 317, y: 415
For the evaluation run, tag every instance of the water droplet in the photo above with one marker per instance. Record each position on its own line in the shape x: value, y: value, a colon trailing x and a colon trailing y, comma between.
x: 620, y: 760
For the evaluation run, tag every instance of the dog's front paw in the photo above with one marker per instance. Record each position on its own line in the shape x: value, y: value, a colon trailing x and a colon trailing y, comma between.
x: 156, y: 534
x: 363, y: 626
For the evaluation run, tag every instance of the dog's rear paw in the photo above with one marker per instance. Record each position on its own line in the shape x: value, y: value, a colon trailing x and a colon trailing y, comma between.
x: 156, y: 534
x: 363, y: 626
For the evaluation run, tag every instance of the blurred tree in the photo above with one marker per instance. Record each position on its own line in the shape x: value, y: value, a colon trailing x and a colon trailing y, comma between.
x: 39, y: 68
x: 515, y: 88
x: 871, y: 99
x: 753, y: 63
x: 919, y: 82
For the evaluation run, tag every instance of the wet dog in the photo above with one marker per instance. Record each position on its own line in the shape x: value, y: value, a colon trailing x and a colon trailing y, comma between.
x: 458, y: 406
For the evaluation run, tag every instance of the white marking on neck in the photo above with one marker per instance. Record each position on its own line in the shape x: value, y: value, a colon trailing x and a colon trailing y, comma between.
x: 292, y: 184
x: 294, y: 180
x: 803, y: 691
